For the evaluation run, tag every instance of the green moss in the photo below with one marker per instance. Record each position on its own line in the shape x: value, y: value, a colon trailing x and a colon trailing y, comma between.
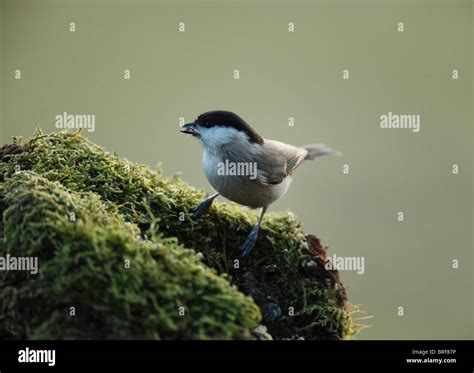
x: 120, y: 285
x: 284, y: 274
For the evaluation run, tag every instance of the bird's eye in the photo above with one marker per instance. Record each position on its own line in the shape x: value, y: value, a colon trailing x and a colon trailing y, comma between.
x: 207, y: 124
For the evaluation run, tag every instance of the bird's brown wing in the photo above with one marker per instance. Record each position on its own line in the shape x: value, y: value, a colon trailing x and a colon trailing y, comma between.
x: 280, y: 160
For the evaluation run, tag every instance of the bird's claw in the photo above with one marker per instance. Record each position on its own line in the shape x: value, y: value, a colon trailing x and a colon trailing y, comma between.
x: 249, y: 243
x: 202, y: 207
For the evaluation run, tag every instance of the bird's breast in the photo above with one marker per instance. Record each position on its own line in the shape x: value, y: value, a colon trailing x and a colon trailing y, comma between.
x: 227, y: 177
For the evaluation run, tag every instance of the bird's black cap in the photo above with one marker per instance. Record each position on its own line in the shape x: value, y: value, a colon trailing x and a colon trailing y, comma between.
x: 229, y: 119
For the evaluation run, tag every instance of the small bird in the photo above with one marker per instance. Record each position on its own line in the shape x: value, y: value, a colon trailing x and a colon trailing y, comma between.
x: 244, y: 167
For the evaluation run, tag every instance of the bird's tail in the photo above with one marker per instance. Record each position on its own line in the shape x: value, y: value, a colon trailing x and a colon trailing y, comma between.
x: 318, y: 150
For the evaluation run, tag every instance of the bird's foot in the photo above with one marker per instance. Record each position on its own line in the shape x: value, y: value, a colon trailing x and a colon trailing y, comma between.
x: 249, y: 243
x: 202, y: 207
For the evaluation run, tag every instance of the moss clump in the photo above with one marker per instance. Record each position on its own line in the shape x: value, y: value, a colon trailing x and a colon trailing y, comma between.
x: 284, y: 274
x: 121, y: 286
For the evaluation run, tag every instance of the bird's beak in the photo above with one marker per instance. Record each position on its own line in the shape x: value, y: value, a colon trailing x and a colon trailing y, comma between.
x: 189, y: 128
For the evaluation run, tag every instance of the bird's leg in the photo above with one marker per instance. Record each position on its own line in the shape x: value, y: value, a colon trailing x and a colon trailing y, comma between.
x: 203, y: 206
x: 249, y: 243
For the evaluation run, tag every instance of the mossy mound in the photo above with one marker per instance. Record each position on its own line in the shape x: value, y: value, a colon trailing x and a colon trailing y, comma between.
x: 119, y: 285
x: 284, y: 274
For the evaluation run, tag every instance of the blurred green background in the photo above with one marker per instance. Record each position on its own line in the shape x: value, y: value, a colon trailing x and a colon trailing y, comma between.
x: 282, y: 75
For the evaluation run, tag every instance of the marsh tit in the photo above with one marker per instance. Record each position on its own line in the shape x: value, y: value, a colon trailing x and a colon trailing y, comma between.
x: 244, y: 167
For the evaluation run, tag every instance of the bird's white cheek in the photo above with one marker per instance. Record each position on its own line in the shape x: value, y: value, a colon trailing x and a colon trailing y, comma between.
x: 217, y: 136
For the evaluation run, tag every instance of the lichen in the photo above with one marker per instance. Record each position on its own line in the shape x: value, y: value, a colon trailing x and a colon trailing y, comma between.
x: 284, y: 274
